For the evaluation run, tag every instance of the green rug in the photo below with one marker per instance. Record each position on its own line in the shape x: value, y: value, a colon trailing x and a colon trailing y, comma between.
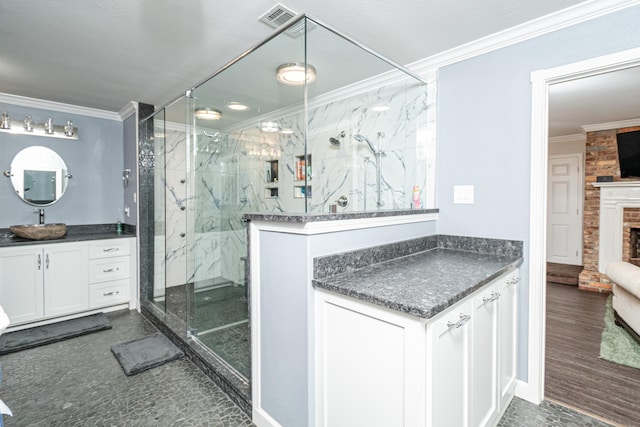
x: 617, y: 345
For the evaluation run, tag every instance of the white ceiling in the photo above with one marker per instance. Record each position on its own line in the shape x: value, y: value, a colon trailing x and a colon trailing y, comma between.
x: 103, y: 54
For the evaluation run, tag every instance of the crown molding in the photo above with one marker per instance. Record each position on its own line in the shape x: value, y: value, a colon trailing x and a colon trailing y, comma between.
x: 611, y: 125
x: 128, y: 110
x: 568, y: 138
x: 546, y: 24
x: 58, y: 106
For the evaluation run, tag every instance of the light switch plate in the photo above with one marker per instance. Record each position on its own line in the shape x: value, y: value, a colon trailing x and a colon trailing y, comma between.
x: 463, y: 194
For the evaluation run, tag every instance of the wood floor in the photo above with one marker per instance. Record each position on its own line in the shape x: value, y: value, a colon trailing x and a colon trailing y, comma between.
x: 575, y: 375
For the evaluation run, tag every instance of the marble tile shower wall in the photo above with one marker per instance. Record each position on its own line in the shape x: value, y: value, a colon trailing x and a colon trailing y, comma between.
x: 347, y: 169
x: 230, y: 175
x: 170, y: 214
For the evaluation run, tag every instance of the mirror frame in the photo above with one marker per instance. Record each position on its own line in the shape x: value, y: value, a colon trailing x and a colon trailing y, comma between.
x: 40, y: 160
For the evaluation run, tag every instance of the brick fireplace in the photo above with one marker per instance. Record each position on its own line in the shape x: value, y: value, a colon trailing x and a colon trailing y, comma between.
x: 601, y: 159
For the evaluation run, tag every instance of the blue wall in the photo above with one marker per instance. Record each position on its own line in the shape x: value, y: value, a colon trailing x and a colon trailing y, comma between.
x: 484, y: 132
x: 95, y: 159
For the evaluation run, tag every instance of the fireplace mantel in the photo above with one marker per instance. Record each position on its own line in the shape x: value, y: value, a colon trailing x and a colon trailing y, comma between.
x: 614, y: 197
x: 617, y: 184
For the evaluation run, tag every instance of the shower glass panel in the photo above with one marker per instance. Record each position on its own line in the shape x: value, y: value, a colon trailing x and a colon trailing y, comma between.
x: 235, y: 169
x: 345, y: 133
x: 156, y: 292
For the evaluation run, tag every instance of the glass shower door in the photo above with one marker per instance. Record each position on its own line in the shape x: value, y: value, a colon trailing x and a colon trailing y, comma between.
x: 219, y: 304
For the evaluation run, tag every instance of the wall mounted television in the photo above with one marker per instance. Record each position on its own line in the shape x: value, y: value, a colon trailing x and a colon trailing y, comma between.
x: 629, y: 154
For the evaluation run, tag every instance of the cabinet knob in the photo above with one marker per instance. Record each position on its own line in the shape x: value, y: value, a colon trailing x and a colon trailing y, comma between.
x: 464, y: 318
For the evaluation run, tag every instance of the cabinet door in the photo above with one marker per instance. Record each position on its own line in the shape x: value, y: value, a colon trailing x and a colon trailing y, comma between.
x: 484, y: 357
x: 65, y: 278
x: 369, y: 369
x: 507, y: 344
x: 448, y: 351
x: 21, y: 283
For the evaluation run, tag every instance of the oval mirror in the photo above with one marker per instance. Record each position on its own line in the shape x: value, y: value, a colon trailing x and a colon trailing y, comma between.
x: 39, y: 176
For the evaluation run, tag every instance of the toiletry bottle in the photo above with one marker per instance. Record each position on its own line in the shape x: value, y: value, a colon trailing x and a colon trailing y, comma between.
x: 416, y: 197
x: 119, y: 228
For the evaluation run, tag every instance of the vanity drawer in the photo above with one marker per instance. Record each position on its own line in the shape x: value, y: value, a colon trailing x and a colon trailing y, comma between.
x: 109, y: 293
x: 104, y: 270
x: 109, y: 248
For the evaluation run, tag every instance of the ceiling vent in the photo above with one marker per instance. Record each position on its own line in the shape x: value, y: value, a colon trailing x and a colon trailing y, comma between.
x: 280, y: 15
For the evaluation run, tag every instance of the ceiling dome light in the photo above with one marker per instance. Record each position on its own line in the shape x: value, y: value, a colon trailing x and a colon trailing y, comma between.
x: 294, y: 74
x: 236, y: 106
x: 208, y: 114
x: 269, y: 127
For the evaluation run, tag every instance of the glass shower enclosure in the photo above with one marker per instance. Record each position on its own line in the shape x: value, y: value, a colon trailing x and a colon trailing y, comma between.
x: 306, y: 122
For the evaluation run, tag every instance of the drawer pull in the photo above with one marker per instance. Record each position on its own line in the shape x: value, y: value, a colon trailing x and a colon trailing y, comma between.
x: 494, y: 297
x: 464, y: 318
x: 110, y: 270
x: 513, y: 280
x: 111, y: 250
x: 108, y: 294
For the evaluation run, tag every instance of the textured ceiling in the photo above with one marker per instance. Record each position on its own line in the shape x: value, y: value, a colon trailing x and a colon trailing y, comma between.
x: 104, y: 54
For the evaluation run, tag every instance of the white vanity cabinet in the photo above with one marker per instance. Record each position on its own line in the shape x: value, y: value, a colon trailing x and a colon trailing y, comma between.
x: 21, y: 278
x: 42, y: 281
x: 45, y: 282
x: 110, y: 272
x: 65, y: 278
x: 379, y: 367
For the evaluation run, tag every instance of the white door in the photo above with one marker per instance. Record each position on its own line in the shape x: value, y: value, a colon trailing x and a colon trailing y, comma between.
x: 564, y: 210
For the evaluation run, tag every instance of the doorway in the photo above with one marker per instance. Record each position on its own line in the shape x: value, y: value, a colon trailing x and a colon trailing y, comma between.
x: 541, y: 80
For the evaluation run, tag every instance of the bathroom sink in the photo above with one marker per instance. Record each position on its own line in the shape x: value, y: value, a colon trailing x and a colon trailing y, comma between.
x: 39, y: 231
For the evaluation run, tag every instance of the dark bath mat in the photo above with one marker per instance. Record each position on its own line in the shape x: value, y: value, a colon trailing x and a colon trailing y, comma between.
x: 145, y: 353
x: 54, y: 332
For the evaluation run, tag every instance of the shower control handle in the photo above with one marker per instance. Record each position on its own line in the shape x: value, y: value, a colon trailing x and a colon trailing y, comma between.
x: 342, y: 201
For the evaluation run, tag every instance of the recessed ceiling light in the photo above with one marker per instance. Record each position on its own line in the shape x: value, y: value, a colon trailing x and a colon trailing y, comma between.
x: 269, y: 127
x: 294, y: 73
x: 208, y: 114
x: 236, y: 106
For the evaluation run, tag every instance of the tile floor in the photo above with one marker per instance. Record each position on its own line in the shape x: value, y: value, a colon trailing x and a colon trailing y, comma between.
x: 78, y: 382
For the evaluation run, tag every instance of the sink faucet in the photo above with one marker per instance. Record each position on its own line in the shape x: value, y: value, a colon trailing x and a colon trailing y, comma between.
x: 40, y: 215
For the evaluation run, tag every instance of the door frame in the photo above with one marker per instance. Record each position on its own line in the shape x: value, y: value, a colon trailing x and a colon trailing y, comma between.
x: 579, y: 194
x: 533, y: 389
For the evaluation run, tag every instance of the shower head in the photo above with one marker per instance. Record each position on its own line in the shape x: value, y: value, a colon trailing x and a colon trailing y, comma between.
x: 362, y: 138
x: 335, y: 141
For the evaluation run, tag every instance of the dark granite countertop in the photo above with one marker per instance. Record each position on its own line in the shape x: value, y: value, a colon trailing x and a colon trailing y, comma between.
x: 425, y: 283
x: 311, y: 217
x: 75, y: 233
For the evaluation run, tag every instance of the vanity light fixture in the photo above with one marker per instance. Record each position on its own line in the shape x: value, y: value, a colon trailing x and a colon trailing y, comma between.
x: 286, y: 131
x: 28, y: 126
x: 237, y: 106
x: 294, y: 73
x: 208, y: 114
x: 269, y: 127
